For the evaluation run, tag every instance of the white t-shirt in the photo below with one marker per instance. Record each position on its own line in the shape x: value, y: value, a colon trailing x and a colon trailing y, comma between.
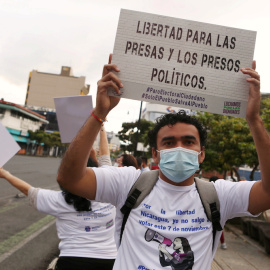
x: 145, y: 169
x: 168, y: 215
x: 81, y: 234
x: 104, y: 160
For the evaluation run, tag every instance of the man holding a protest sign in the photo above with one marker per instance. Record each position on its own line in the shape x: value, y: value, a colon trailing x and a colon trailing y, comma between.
x: 173, y: 209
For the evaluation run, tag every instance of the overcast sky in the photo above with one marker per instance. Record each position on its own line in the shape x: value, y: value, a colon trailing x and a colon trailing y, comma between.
x: 45, y: 35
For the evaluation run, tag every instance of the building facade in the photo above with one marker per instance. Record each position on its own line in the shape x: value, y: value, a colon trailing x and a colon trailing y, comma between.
x: 18, y: 120
x: 44, y: 87
x: 113, y: 142
x: 152, y: 111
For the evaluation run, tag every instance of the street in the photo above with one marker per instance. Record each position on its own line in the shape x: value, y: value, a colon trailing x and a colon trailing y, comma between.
x: 28, y: 238
x: 243, y: 253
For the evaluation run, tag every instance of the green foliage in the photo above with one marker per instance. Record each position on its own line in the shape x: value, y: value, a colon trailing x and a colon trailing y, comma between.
x: 229, y: 143
x: 49, y: 139
x: 134, y: 132
x: 265, y: 112
x: 115, y: 154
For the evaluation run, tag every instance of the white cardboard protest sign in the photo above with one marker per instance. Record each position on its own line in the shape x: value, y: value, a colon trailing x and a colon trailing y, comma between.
x: 8, y: 146
x: 183, y: 63
x: 71, y: 113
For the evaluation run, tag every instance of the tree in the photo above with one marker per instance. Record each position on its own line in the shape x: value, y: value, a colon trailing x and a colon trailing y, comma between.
x: 250, y: 153
x: 129, y: 137
x: 48, y: 139
x: 251, y: 156
x: 229, y: 143
x: 265, y: 113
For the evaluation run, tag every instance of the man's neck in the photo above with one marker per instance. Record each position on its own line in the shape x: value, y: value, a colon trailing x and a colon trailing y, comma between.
x: 188, y: 182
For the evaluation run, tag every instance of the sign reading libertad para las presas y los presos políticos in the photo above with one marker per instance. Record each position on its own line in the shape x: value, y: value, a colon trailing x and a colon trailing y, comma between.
x: 183, y: 63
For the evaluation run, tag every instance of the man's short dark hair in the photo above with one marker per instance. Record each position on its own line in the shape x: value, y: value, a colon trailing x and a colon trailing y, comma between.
x: 144, y: 159
x: 91, y: 163
x: 213, y: 178
x: 139, y: 161
x: 171, y: 119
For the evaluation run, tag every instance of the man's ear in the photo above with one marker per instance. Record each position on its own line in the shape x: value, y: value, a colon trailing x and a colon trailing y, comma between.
x: 201, y: 155
x: 154, y: 155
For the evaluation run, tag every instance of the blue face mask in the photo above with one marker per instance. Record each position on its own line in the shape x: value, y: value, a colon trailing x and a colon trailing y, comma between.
x: 179, y: 163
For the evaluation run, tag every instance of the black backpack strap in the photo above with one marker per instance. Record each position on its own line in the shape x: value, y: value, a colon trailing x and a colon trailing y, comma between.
x: 141, y: 188
x: 210, y: 202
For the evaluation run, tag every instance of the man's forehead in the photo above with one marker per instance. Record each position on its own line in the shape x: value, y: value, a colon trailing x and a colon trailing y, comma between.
x: 178, y: 130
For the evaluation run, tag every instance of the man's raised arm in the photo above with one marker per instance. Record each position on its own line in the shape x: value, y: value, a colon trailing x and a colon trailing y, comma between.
x: 259, y: 199
x: 73, y: 174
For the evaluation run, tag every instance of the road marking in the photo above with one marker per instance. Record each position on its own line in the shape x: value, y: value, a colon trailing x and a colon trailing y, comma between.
x: 18, y: 240
x: 215, y: 266
x: 10, y: 206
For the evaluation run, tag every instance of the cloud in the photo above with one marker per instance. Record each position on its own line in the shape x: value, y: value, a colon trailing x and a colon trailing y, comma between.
x: 45, y: 35
x: 12, y: 92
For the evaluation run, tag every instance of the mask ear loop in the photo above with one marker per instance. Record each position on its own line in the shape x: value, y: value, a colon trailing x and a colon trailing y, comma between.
x: 198, y: 156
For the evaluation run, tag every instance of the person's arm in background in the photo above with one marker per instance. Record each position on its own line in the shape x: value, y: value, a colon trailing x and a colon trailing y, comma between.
x: 15, y: 181
x: 93, y: 155
x: 103, y: 144
x: 73, y: 175
x: 104, y: 150
x: 259, y: 198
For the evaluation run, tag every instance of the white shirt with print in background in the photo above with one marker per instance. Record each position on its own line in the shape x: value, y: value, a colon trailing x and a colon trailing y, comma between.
x: 82, y: 234
x: 145, y: 169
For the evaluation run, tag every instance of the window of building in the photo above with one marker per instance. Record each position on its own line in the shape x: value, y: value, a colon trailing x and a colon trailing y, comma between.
x: 15, y: 114
x: 2, y: 111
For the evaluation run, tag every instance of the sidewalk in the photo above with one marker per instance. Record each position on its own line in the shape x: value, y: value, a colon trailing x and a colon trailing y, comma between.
x: 242, y: 252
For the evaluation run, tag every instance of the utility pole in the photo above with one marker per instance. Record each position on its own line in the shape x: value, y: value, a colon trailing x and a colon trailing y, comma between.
x: 137, y: 133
